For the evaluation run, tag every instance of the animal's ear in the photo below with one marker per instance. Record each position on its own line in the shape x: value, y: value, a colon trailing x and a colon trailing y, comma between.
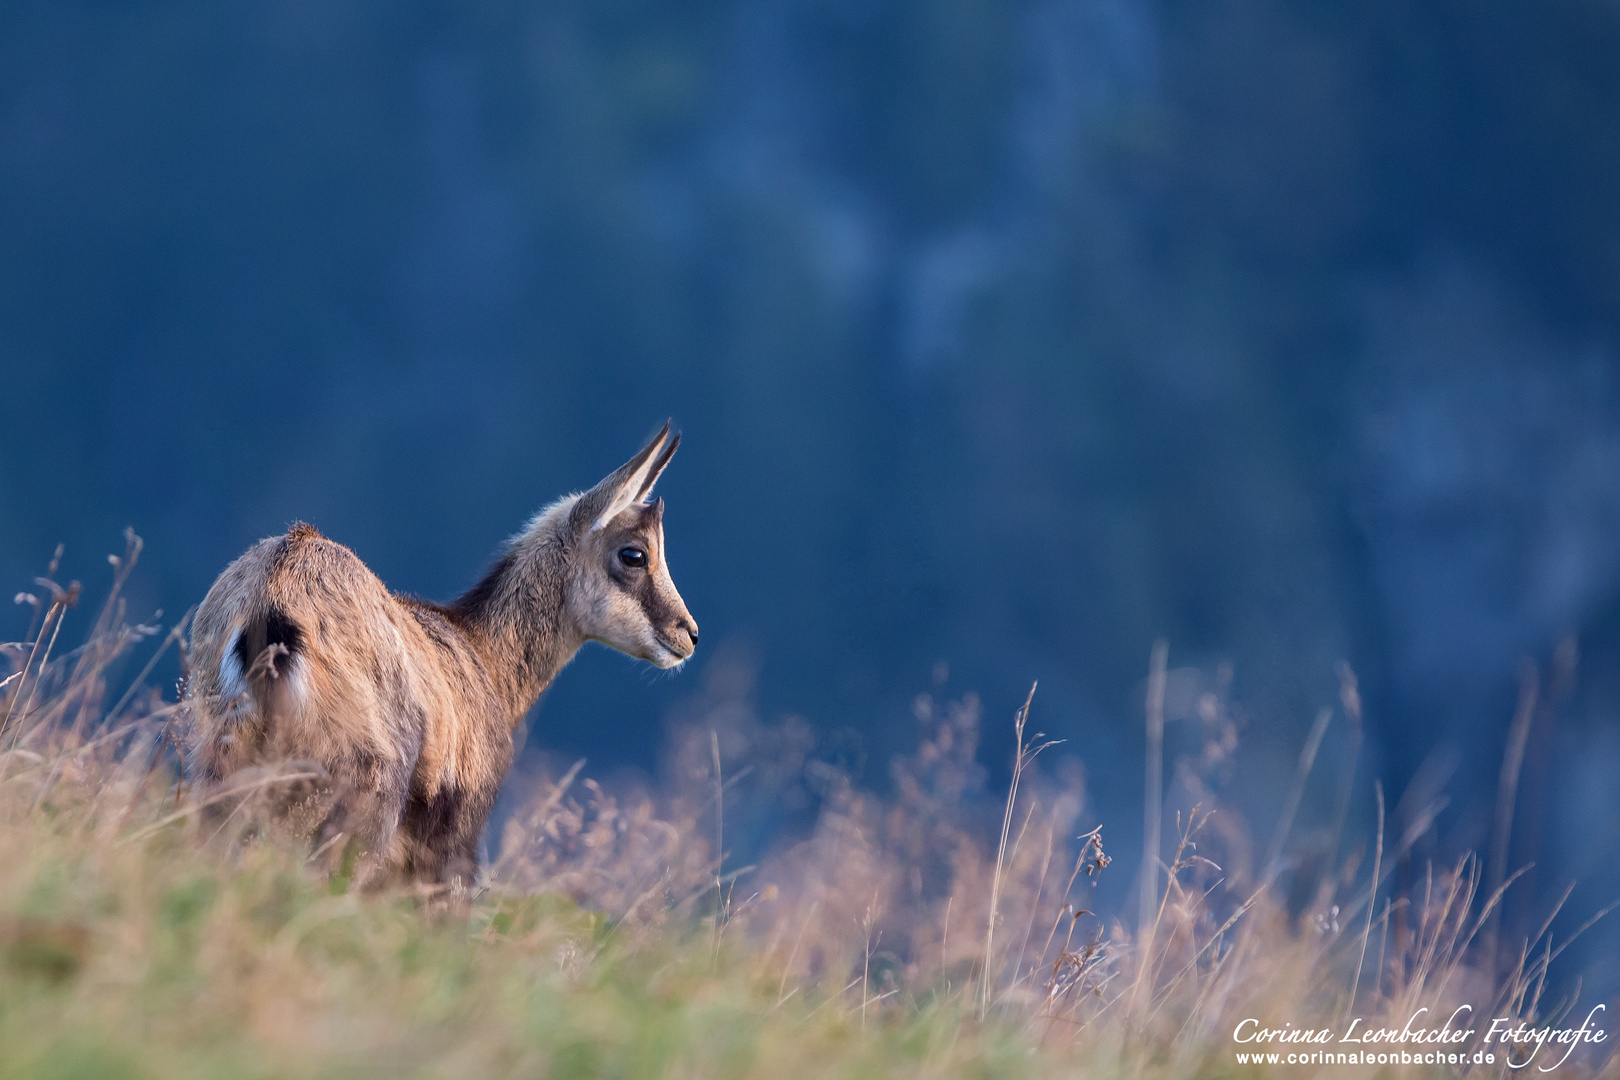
x: 660, y: 463
x: 626, y: 485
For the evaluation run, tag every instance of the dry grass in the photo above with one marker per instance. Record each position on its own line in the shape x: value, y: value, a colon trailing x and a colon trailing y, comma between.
x: 614, y: 937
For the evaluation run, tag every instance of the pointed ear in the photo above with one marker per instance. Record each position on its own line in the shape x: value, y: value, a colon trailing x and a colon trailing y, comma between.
x: 660, y: 463
x: 622, y: 487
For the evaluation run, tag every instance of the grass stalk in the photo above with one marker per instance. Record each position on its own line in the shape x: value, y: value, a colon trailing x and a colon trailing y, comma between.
x: 1153, y: 796
x: 1372, y: 896
x: 1507, y: 789
x: 1296, y: 791
x: 1019, y: 760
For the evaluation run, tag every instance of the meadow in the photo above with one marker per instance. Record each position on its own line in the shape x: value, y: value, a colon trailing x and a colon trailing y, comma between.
x: 612, y: 935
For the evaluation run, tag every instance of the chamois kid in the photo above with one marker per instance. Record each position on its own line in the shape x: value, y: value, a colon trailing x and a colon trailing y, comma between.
x: 405, y: 709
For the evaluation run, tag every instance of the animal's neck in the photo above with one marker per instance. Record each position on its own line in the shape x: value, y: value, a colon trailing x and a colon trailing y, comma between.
x: 519, y: 612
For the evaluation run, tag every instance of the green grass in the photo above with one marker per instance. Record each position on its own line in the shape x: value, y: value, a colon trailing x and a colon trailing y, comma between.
x: 602, y: 945
x: 145, y: 959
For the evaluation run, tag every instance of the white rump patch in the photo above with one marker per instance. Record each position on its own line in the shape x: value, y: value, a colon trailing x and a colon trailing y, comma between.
x: 236, y: 691
x: 232, y: 679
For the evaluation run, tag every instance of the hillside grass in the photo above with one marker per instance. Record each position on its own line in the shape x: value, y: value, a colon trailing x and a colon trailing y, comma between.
x: 611, y: 938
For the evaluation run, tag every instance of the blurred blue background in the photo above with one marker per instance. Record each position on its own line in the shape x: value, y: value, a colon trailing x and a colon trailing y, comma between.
x: 1006, y: 337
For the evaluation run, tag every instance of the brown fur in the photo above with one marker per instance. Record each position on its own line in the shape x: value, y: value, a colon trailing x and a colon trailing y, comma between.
x: 299, y: 652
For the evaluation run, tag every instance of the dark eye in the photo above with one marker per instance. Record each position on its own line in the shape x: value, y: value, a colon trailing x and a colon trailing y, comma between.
x: 632, y: 557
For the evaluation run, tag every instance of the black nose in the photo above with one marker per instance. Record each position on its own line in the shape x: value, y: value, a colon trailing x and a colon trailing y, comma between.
x: 691, y: 632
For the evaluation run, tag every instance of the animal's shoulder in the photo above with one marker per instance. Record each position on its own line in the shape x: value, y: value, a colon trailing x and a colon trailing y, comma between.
x: 436, y: 621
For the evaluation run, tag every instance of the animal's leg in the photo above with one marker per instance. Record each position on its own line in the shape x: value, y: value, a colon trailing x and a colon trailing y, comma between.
x: 361, y: 829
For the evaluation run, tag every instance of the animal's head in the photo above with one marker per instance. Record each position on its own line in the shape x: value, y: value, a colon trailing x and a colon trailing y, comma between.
x: 621, y: 593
